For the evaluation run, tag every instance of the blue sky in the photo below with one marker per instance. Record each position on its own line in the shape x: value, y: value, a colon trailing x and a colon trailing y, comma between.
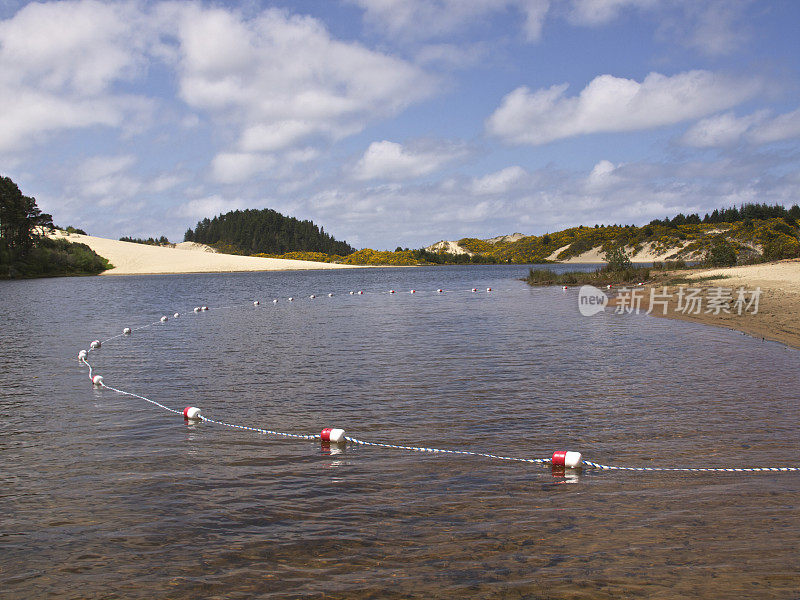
x: 399, y: 122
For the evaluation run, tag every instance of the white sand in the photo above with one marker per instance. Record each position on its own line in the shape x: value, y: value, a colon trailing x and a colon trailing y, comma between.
x: 448, y: 246
x: 597, y: 256
x: 782, y: 276
x: 130, y: 258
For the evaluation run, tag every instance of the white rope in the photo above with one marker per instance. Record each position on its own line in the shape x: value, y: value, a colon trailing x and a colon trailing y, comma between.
x: 423, y: 449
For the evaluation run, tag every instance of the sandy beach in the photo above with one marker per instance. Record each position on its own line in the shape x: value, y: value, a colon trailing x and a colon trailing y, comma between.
x: 130, y: 258
x: 777, y: 316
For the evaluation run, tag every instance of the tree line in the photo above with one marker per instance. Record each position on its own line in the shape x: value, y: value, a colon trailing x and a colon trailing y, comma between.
x: 264, y: 232
x: 25, y: 250
x: 733, y: 214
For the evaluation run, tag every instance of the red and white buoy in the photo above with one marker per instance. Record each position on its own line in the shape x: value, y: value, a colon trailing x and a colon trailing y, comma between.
x: 197, y: 309
x: 412, y: 292
x: 474, y: 289
x: 565, y: 288
x: 312, y: 296
x: 164, y: 319
x: 203, y: 308
x: 488, y: 289
x: 360, y: 293
x: 440, y: 291
x: 97, y: 381
x: 332, y: 434
x: 391, y: 291
x: 192, y: 413
x: 256, y: 303
x: 566, y: 458
x: 126, y: 331
x: 95, y: 345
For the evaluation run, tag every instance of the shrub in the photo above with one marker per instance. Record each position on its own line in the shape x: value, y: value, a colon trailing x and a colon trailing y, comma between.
x: 618, y: 259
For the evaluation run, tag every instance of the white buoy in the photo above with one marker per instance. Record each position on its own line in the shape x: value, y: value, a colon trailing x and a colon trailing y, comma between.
x: 192, y: 413
x: 196, y: 309
x: 312, y: 296
x: 126, y: 331
x: 332, y: 434
x: 82, y: 355
x: 275, y: 301
x: 95, y: 344
x: 256, y: 302
x: 164, y: 319
x: 97, y: 381
x: 203, y: 308
x: 176, y: 315
x: 330, y: 295
x: 291, y: 299
x: 565, y: 458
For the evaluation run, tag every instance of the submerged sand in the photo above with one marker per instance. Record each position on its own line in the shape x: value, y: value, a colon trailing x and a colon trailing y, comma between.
x: 130, y: 258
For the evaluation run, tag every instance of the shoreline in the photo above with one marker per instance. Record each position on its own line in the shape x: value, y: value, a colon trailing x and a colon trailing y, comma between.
x: 778, y: 306
x: 130, y: 258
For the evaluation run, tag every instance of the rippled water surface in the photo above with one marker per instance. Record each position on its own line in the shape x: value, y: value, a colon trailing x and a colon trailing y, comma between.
x: 107, y: 496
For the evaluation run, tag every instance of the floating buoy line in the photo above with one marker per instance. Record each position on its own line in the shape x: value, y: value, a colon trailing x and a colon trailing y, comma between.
x: 560, y: 460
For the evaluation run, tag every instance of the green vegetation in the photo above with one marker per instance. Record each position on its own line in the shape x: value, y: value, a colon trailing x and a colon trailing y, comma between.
x: 26, y: 252
x: 162, y: 241
x: 264, y: 232
x: 398, y: 257
x: 603, y: 276
x: 618, y: 270
x: 55, y: 258
x: 748, y: 234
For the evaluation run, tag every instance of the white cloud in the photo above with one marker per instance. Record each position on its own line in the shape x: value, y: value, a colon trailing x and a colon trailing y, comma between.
x: 282, y: 78
x: 719, y: 130
x: 393, y: 161
x: 427, y: 19
x: 782, y: 127
x: 602, y: 176
x: 58, y: 62
x: 106, y: 180
x: 274, y: 136
x: 758, y: 128
x: 600, y: 12
x: 236, y: 167
x: 714, y: 27
x: 499, y: 182
x: 614, y: 104
x: 211, y: 206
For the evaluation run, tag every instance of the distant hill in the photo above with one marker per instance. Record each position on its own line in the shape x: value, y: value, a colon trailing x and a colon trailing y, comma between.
x: 264, y: 232
x: 750, y: 233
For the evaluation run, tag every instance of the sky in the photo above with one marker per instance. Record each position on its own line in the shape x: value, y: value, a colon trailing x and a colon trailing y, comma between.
x: 399, y: 122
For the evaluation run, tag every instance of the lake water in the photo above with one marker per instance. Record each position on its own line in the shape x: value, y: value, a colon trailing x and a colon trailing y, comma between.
x: 107, y: 496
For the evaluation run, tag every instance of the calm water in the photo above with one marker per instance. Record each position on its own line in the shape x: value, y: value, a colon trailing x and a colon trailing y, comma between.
x: 106, y: 496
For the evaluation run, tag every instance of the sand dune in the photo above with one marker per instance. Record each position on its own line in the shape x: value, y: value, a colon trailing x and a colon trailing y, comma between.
x: 140, y: 259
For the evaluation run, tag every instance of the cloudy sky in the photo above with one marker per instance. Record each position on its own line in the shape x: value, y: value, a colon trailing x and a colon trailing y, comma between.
x: 399, y: 122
